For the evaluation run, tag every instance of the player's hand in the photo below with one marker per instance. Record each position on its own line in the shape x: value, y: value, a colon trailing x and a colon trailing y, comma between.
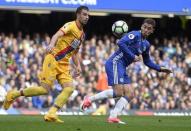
x: 137, y: 58
x: 49, y: 48
x: 77, y: 72
x: 166, y: 70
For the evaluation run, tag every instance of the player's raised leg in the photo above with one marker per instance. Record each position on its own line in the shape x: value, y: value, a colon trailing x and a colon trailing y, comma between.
x: 49, y: 70
x: 31, y: 91
x: 110, y: 93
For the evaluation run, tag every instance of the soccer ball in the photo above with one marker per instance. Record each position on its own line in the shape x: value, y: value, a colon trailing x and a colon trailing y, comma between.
x: 119, y: 28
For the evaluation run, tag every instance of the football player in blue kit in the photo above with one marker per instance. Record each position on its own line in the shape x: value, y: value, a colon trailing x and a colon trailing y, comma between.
x: 132, y: 46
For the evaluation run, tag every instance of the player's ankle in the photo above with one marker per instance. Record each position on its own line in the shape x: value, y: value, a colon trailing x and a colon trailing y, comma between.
x: 21, y: 93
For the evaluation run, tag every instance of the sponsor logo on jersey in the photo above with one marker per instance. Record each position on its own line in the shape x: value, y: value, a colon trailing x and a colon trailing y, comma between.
x: 75, y: 43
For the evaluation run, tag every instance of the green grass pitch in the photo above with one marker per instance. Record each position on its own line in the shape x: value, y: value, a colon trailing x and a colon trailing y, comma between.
x: 94, y: 123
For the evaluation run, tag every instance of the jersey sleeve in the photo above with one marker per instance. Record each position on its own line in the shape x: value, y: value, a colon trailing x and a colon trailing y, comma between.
x: 124, y: 43
x: 148, y: 62
x: 66, y: 28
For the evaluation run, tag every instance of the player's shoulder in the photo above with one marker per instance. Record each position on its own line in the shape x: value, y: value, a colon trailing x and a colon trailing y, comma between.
x: 69, y: 24
x: 134, y: 34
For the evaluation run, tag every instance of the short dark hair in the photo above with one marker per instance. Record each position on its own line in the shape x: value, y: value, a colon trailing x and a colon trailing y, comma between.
x: 150, y: 21
x: 80, y: 8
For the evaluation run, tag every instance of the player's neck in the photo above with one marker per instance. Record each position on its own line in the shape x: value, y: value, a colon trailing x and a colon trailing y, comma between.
x: 143, y: 37
x: 79, y: 25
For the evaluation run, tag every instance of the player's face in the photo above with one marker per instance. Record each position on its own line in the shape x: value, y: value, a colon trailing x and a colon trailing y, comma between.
x: 146, y: 29
x: 83, y: 17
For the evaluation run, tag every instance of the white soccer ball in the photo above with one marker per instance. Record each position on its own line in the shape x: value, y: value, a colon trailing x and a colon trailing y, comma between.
x: 119, y: 28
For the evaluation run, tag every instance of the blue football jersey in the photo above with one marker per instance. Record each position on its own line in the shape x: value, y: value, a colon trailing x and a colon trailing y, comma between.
x: 130, y: 45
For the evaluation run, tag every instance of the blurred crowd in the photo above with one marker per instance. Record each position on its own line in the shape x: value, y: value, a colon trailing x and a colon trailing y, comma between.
x: 21, y: 60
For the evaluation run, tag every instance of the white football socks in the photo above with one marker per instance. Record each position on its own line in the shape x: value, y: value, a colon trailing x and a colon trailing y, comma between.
x: 102, y: 95
x: 121, y: 103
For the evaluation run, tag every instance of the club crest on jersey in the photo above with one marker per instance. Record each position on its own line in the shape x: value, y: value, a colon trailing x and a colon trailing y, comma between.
x: 121, y: 80
x: 66, y: 25
x: 131, y: 36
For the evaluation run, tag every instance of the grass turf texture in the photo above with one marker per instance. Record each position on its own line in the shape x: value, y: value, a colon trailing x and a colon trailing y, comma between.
x: 94, y: 123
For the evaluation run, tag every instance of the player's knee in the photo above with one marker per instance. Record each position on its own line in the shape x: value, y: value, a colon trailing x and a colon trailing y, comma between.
x: 119, y: 93
x: 132, y: 95
x: 129, y: 93
x: 46, y: 91
x: 46, y: 87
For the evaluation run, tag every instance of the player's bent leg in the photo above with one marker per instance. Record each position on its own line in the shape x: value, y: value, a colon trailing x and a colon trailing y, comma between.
x: 35, y: 91
x: 121, y: 103
x: 58, y: 104
x: 62, y: 98
x: 27, y: 92
x: 65, y: 80
x: 110, y: 93
x: 87, y: 102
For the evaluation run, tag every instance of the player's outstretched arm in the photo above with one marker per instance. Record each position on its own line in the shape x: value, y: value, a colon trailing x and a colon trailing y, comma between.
x: 148, y: 62
x: 151, y: 64
x: 54, y: 40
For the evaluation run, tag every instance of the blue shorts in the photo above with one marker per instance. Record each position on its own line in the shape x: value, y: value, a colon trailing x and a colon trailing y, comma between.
x: 116, y: 73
